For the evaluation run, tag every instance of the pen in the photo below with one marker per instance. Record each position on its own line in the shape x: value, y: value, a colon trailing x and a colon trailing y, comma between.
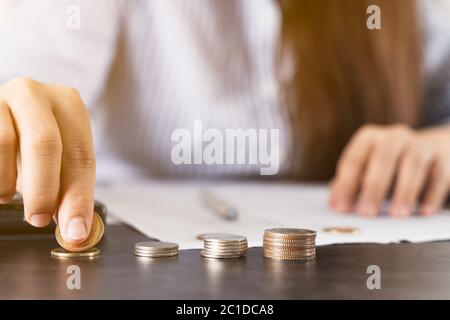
x: 223, y: 209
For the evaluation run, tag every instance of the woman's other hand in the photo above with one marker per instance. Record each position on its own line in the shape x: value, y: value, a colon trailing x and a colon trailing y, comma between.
x: 414, y: 165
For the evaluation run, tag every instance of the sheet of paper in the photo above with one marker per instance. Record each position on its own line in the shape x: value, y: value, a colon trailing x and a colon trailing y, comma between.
x: 173, y: 211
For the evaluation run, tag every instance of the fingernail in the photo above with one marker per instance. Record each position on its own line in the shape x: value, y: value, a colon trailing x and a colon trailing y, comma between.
x: 76, y: 229
x: 400, y: 211
x: 342, y: 206
x: 6, y: 199
x: 39, y: 220
x: 427, y: 210
x: 368, y: 209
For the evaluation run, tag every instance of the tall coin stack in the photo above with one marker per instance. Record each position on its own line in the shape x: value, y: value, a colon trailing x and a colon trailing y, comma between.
x: 224, y: 246
x: 289, y: 244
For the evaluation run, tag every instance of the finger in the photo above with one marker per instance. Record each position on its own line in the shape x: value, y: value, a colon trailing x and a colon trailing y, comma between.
x: 8, y: 153
x: 379, y: 175
x: 437, y: 190
x: 350, y: 170
x: 412, y: 176
x: 40, y: 149
x: 78, y: 167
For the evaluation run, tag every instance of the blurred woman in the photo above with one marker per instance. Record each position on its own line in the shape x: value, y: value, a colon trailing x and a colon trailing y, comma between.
x: 343, y: 96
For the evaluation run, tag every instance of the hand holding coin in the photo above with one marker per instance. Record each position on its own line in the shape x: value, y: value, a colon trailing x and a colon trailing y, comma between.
x: 94, y: 237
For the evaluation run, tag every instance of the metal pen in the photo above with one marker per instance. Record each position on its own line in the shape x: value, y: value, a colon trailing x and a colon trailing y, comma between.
x: 224, y: 209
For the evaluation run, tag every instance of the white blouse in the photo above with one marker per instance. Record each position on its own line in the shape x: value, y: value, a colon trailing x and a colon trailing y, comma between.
x: 148, y: 67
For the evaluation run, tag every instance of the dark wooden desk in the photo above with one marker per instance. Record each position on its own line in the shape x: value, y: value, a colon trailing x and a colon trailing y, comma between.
x: 27, y: 271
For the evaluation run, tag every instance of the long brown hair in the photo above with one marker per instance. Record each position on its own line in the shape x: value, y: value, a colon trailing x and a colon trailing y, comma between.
x: 345, y: 75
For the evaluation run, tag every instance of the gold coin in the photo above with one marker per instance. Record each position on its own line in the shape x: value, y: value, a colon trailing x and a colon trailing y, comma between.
x: 225, y: 252
x: 156, y: 246
x: 288, y: 238
x: 226, y: 238
x: 155, y: 255
x: 63, y: 253
x: 290, y: 242
x: 215, y: 256
x: 226, y: 246
x: 97, y: 230
x: 277, y: 257
x: 289, y: 233
x: 292, y: 254
x: 341, y: 230
x: 155, y: 252
x: 282, y: 244
x: 212, y: 235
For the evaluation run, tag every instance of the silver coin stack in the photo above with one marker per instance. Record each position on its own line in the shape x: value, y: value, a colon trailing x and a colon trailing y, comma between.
x: 224, y: 246
x: 156, y: 249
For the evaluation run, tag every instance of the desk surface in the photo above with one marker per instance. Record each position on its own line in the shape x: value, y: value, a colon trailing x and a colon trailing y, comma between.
x: 27, y: 271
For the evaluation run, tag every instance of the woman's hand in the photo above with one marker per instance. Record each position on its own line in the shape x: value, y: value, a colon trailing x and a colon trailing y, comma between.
x: 46, y: 147
x: 414, y: 165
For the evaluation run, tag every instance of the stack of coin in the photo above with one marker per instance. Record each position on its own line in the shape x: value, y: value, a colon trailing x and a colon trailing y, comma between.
x: 156, y: 249
x: 289, y: 244
x: 84, y: 249
x: 224, y: 246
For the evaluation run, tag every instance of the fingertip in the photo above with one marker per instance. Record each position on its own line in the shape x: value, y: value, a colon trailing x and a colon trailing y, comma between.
x: 427, y: 210
x: 400, y: 211
x: 40, y: 220
x: 6, y: 199
x: 343, y: 206
x: 367, y: 210
x: 76, y: 230
x: 75, y: 220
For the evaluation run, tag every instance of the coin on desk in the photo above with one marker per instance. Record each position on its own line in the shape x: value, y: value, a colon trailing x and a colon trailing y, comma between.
x: 156, y: 249
x: 341, y: 230
x: 97, y: 231
x: 224, y: 246
x: 63, y: 253
x: 289, y: 244
x: 212, y: 235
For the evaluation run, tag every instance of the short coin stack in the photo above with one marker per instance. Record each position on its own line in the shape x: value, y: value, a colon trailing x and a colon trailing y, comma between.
x: 289, y: 244
x: 224, y: 246
x: 156, y: 249
x: 85, y: 249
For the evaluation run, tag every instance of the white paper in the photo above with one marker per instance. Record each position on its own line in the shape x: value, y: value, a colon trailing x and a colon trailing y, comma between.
x: 173, y: 211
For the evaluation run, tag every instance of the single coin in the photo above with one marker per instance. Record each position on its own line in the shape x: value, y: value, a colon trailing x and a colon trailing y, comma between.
x: 224, y: 252
x: 213, y: 256
x: 341, y: 230
x: 155, y: 252
x: 276, y: 257
x: 290, y: 233
x: 224, y: 255
x: 156, y: 246
x: 156, y: 255
x: 203, y: 236
x: 282, y: 244
x: 232, y: 246
x: 290, y: 241
x: 227, y: 245
x: 97, y: 231
x: 226, y: 237
x: 63, y: 253
x: 292, y: 253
